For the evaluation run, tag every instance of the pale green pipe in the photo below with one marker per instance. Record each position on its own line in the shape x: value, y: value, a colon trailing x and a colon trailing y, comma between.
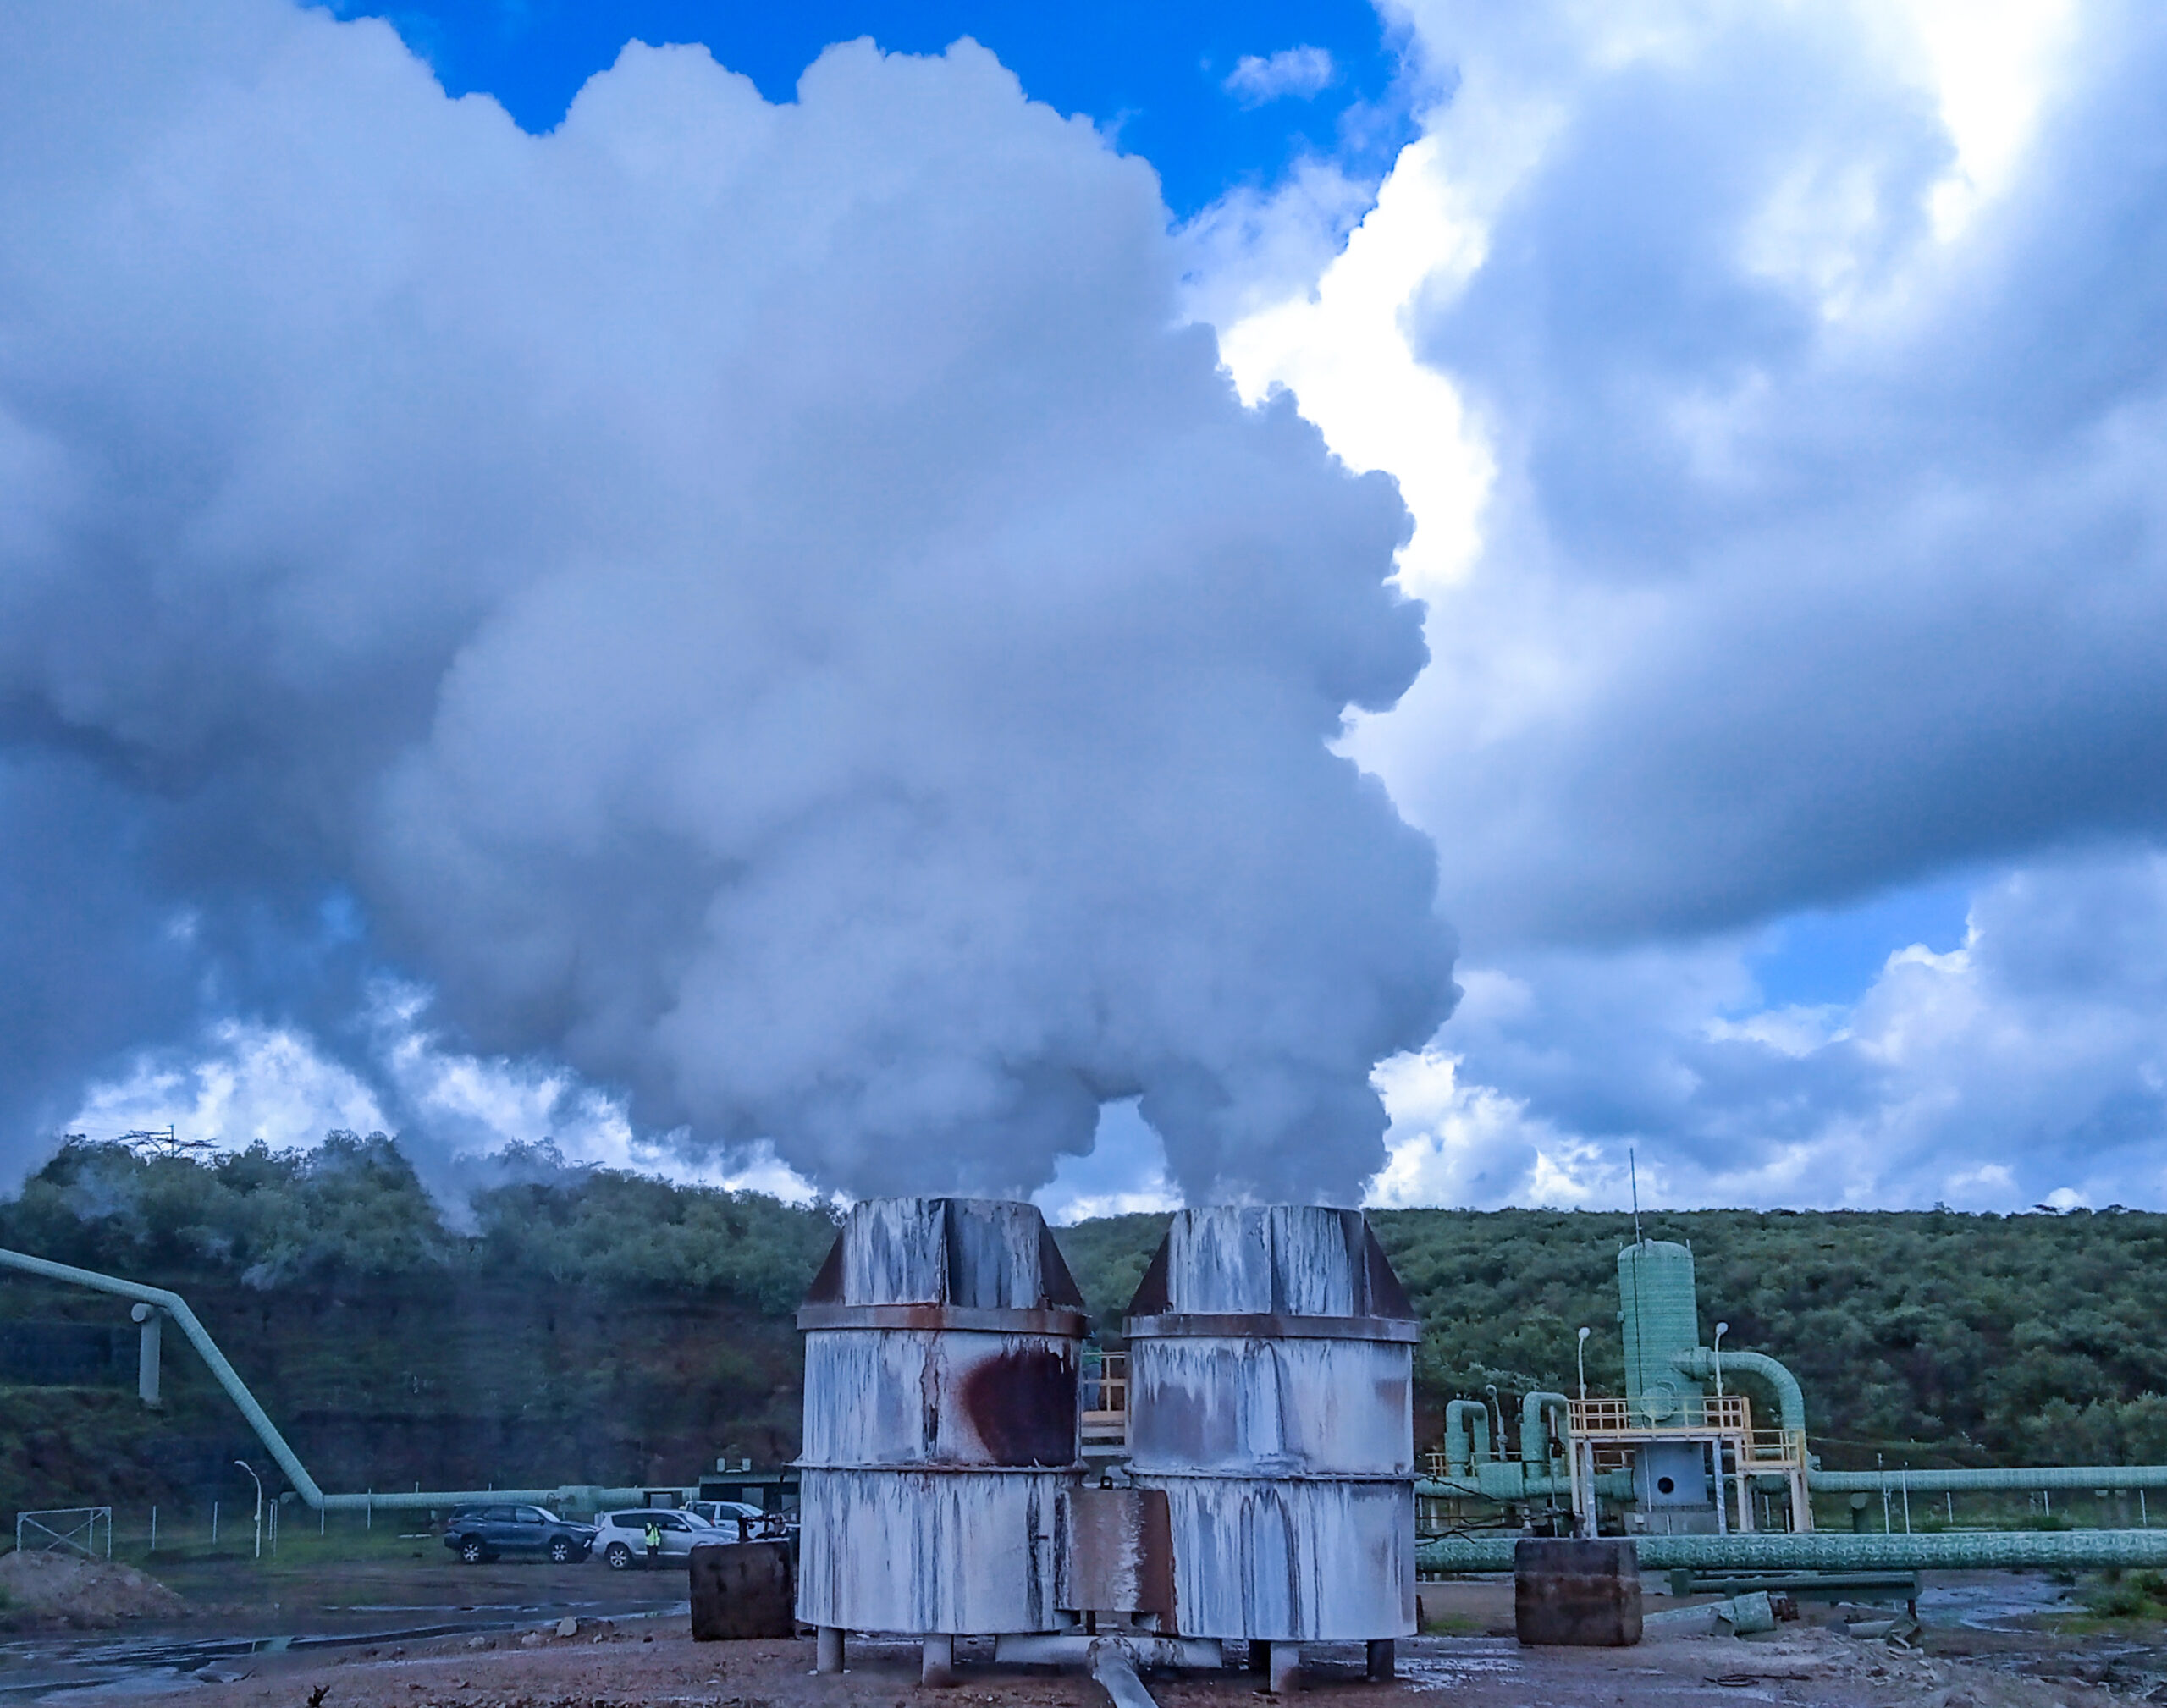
x: 199, y: 1337
x: 1460, y: 1485
x: 1535, y: 1440
x: 2016, y: 1478
x: 1700, y: 1363
x: 1823, y: 1551
x: 575, y: 1498
x: 1457, y: 1434
x: 1510, y: 1481
x: 268, y: 1432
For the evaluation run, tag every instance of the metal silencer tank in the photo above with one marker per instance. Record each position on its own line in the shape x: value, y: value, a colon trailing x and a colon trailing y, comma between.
x: 1270, y: 1371
x: 941, y: 1340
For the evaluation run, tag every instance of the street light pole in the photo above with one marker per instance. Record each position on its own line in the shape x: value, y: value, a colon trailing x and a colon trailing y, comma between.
x: 1580, y: 1361
x: 1721, y: 1327
x: 258, y: 1481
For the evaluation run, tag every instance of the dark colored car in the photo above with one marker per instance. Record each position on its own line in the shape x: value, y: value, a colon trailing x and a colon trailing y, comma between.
x: 477, y: 1534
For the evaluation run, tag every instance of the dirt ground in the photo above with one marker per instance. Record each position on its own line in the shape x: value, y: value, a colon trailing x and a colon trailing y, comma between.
x: 573, y: 1662
x: 69, y: 1592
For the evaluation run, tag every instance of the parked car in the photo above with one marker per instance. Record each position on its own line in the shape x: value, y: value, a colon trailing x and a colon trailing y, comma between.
x: 740, y: 1520
x: 477, y: 1534
x: 622, y: 1536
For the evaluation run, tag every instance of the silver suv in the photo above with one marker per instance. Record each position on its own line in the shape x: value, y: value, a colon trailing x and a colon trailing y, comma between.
x: 621, y: 1536
x: 739, y: 1521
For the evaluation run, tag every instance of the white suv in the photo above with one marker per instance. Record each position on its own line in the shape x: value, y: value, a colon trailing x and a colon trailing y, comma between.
x: 739, y: 1521
x: 620, y: 1538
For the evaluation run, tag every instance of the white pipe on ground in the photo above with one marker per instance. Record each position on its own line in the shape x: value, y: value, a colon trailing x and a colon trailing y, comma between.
x: 1115, y: 1669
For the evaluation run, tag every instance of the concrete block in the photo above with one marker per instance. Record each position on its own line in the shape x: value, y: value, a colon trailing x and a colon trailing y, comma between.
x: 742, y: 1589
x: 1576, y: 1593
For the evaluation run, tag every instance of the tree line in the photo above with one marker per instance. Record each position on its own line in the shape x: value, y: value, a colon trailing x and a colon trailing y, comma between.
x: 1933, y: 1336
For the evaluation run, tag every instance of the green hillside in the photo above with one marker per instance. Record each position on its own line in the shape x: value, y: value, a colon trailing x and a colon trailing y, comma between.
x: 587, y: 1325
x: 594, y: 1325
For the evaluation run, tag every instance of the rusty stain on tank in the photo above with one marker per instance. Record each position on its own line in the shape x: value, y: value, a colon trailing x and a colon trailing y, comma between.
x: 1021, y: 1401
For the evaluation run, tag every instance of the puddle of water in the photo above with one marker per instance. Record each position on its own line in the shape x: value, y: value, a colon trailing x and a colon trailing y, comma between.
x: 2001, y: 1605
x: 58, y: 1672
x: 1466, y: 1659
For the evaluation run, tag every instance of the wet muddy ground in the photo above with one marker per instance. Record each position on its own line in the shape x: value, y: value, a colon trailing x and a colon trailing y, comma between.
x: 237, y: 1615
x: 526, y: 1637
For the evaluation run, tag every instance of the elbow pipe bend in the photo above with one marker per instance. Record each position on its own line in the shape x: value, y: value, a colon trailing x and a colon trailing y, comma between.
x: 1466, y: 1418
x: 176, y: 1307
x: 149, y: 1298
x: 1700, y: 1363
x: 1535, y: 1440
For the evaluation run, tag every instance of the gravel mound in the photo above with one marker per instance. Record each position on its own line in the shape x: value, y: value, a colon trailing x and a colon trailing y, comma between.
x: 62, y: 1588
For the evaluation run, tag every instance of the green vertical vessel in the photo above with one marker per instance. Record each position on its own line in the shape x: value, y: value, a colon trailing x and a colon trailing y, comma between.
x: 1657, y: 1319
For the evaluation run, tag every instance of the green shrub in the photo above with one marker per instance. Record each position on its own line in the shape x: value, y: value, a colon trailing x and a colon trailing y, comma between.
x: 2128, y: 1595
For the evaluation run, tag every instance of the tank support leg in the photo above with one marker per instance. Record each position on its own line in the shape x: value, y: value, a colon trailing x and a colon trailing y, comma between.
x: 937, y: 1666
x: 1382, y: 1656
x: 828, y: 1649
x: 1286, y: 1668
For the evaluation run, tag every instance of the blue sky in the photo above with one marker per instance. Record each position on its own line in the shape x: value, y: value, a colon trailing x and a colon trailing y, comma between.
x: 1831, y: 955
x: 1151, y: 76
x: 845, y: 636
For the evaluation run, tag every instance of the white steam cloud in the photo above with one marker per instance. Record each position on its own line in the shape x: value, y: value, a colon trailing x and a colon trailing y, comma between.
x: 763, y: 605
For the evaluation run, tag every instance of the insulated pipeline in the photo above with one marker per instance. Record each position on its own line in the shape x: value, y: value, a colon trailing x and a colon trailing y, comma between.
x: 199, y: 1337
x: 1466, y: 1421
x: 574, y: 1497
x: 1510, y: 1481
x: 1701, y: 1364
x: 1535, y: 1439
x: 266, y: 1432
x: 2016, y: 1478
x: 1973, y: 1551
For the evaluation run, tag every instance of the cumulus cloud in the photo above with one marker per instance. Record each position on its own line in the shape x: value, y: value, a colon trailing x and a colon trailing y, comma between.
x: 466, y: 1117
x: 2026, y: 1066
x: 1781, y: 396
x: 761, y: 607
x: 1302, y: 72
x: 1823, y: 551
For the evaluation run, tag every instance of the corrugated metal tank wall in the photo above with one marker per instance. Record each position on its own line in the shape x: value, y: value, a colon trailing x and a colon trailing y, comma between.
x: 940, y: 1420
x: 1270, y: 1371
x: 1657, y: 1315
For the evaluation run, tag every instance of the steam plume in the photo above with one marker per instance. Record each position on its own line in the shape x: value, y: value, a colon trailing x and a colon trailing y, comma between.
x: 761, y: 603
